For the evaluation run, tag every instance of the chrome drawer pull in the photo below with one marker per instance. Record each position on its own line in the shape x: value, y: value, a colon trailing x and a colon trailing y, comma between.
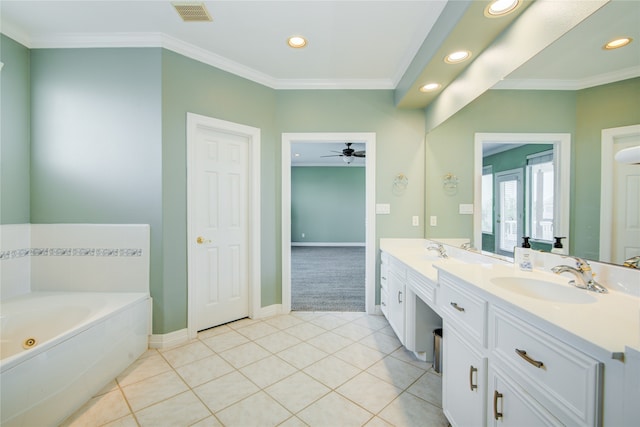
x: 535, y: 363
x: 456, y: 306
x: 399, y: 295
x: 497, y: 415
x: 471, y: 384
x: 383, y: 304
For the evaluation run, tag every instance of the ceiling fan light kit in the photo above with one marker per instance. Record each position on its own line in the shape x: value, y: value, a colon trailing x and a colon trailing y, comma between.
x: 348, y: 154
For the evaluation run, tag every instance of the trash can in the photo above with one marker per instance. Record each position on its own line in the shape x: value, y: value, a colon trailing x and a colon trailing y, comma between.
x: 437, y: 350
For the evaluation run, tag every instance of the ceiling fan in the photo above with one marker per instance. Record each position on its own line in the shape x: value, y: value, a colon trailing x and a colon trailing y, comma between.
x: 348, y: 154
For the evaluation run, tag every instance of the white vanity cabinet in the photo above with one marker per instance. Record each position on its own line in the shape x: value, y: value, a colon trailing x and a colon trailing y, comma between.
x: 384, y: 284
x: 397, y: 281
x: 528, y: 377
x: 464, y: 379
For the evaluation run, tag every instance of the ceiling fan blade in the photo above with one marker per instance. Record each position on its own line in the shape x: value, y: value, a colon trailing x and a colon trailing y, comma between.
x: 333, y: 155
x: 360, y: 153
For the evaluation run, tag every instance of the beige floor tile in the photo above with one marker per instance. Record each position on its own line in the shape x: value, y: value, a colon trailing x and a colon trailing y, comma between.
x: 388, y: 330
x: 257, y: 330
x: 283, y: 322
x: 379, y: 422
x: 302, y: 355
x: 212, y: 332
x: 128, y: 421
x: 359, y: 355
x: 372, y: 322
x: 208, y: 422
x: 351, y: 315
x: 148, y: 353
x: 111, y: 386
x: 244, y: 354
x: 352, y: 331
x: 385, y: 343
x: 297, y: 391
x: 268, y: 371
x: 428, y: 387
x: 181, y: 410
x: 259, y: 410
x: 204, y: 370
x: 330, y: 342
x: 278, y: 341
x: 242, y: 323
x: 328, y: 321
x: 408, y: 410
x: 408, y: 357
x: 334, y: 410
x: 100, y: 410
x: 370, y: 392
x: 226, y: 341
x: 191, y: 352
x: 153, y: 390
x: 226, y: 390
x: 396, y: 372
x: 293, y: 422
x: 332, y: 371
x: 305, y: 331
x: 307, y: 315
x: 142, y: 369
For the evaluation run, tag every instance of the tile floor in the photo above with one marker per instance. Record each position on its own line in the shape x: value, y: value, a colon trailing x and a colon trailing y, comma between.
x: 305, y: 368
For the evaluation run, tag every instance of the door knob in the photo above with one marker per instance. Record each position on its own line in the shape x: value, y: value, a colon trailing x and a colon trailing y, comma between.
x: 200, y: 240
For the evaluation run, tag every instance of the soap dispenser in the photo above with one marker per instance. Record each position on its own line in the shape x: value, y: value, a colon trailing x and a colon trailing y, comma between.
x: 557, y: 246
x: 524, y: 256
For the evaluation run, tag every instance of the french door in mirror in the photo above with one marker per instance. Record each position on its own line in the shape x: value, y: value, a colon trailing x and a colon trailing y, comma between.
x: 508, y: 208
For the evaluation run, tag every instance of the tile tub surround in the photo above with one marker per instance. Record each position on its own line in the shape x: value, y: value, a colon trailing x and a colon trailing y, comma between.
x: 74, y: 257
x: 305, y: 368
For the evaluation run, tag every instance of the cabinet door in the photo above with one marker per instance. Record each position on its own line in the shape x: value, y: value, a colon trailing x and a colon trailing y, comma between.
x: 510, y: 406
x: 463, y: 381
x: 395, y: 303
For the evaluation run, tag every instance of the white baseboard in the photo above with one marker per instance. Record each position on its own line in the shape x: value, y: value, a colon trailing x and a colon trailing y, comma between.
x: 269, y: 311
x: 327, y: 244
x: 171, y: 339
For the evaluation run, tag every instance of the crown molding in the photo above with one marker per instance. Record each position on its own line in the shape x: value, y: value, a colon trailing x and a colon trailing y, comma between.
x: 120, y: 40
x: 555, y: 84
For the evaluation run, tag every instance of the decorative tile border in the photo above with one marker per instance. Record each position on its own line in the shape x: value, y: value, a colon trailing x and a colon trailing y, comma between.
x: 99, y: 252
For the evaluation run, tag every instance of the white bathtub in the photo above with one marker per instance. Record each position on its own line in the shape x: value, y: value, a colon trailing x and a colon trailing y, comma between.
x: 82, y: 341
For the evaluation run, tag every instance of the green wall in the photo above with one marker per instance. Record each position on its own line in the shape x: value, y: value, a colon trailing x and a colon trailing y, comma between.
x: 15, y: 119
x: 108, y: 145
x: 582, y: 113
x: 328, y: 204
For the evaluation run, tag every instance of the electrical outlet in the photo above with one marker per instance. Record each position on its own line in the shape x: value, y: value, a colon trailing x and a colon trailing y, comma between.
x: 433, y: 221
x: 415, y: 220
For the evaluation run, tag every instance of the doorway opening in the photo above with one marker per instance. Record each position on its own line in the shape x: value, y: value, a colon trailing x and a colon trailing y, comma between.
x: 365, y: 141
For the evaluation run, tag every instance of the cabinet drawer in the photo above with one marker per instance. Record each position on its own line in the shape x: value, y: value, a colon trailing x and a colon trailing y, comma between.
x: 384, y: 276
x: 397, y: 268
x: 384, y: 301
x: 467, y: 310
x: 554, y: 373
x: 424, y: 288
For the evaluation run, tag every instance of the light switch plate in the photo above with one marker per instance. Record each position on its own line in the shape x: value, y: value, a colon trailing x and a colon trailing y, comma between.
x: 415, y: 220
x: 383, y: 208
x: 465, y: 209
x: 433, y: 220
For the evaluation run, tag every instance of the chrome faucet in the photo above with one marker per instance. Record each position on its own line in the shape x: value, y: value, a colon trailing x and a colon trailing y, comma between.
x: 442, y: 252
x: 633, y: 262
x: 583, y: 273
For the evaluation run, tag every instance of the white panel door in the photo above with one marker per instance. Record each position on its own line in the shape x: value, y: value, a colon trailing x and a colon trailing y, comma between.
x: 625, y: 237
x: 219, y: 220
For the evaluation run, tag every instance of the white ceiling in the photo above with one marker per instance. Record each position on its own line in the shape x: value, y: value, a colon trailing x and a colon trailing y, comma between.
x: 352, y: 44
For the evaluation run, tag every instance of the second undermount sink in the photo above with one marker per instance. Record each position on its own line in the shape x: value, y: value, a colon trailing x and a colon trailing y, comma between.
x: 543, y: 290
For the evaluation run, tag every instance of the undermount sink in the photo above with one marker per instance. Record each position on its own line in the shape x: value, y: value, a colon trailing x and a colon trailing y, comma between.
x: 543, y: 290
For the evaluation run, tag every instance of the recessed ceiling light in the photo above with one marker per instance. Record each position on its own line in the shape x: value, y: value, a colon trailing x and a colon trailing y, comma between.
x: 500, y: 8
x: 617, y: 43
x: 457, y: 57
x: 297, y: 42
x: 429, y: 87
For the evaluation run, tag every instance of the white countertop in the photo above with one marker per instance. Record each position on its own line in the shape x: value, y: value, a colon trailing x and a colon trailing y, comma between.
x: 606, y: 325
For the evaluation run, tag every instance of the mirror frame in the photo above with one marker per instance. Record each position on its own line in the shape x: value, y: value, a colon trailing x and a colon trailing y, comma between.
x: 562, y: 170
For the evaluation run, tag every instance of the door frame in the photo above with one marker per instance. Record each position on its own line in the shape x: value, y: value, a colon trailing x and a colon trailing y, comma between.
x: 369, y: 139
x: 195, y: 121
x: 608, y: 137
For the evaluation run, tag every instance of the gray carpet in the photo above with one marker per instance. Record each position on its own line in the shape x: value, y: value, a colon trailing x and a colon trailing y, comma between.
x: 327, y: 278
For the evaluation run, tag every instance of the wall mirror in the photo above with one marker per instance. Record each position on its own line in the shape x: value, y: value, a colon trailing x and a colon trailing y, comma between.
x: 521, y: 188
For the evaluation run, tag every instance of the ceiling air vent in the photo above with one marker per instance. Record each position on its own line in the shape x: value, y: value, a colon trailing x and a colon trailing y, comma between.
x: 192, y: 12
